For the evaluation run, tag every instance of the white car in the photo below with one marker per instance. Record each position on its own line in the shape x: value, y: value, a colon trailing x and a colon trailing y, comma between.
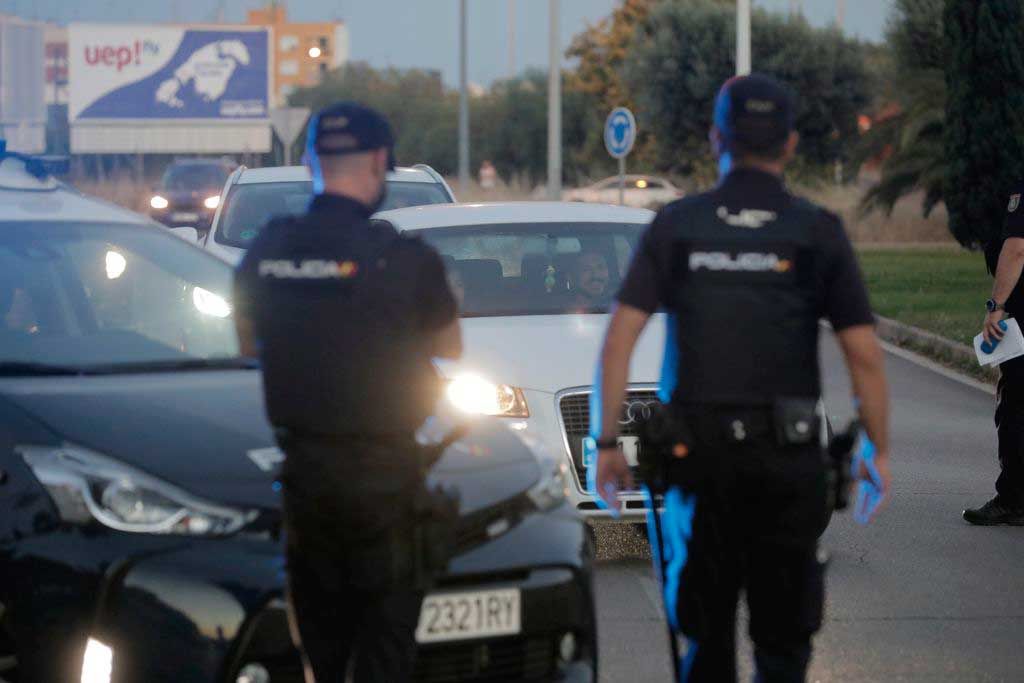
x: 641, y: 191
x: 252, y: 196
x: 536, y: 280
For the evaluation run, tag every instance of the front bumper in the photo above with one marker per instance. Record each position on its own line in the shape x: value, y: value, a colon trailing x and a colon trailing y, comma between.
x: 202, y: 611
x: 199, y: 218
x: 546, y: 424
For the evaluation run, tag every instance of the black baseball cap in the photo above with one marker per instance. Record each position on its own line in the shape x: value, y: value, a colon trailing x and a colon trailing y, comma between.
x: 757, y: 112
x: 349, y: 128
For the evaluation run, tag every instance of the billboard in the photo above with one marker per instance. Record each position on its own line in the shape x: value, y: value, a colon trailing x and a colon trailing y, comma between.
x: 144, y: 80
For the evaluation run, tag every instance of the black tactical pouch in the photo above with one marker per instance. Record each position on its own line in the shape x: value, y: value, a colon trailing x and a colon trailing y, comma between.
x: 840, y: 455
x: 666, y: 450
x: 797, y: 422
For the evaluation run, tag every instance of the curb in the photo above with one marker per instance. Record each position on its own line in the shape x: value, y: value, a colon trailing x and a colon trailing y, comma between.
x: 959, y: 357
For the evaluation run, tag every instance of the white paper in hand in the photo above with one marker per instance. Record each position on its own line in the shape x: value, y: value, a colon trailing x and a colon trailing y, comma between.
x: 1011, y: 346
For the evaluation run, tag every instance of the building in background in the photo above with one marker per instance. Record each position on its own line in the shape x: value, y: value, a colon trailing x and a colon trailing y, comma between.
x: 302, y: 53
x: 22, y: 97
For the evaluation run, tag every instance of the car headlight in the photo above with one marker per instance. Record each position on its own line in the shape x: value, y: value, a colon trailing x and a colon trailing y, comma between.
x: 87, y: 487
x: 212, y: 202
x: 158, y: 202
x: 476, y: 395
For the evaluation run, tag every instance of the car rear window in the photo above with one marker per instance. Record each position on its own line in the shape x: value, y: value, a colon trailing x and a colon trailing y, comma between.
x: 249, y: 207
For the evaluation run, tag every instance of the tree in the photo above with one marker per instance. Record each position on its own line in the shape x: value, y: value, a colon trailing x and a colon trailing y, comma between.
x: 984, y: 115
x: 685, y: 50
x: 914, y: 90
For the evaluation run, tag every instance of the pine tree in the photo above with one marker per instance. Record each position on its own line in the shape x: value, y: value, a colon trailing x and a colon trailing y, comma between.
x: 984, y: 136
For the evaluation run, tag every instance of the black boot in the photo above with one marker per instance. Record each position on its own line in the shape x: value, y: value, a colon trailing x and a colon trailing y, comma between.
x: 995, y: 512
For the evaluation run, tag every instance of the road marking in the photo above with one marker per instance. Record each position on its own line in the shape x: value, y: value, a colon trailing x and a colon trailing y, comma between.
x: 929, y: 364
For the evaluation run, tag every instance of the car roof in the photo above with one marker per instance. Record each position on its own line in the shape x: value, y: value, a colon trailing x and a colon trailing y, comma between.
x: 449, y: 215
x: 25, y: 197
x: 284, y: 174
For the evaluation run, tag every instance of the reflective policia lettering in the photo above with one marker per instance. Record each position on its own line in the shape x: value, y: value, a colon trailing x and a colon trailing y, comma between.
x: 751, y: 262
x: 309, y: 269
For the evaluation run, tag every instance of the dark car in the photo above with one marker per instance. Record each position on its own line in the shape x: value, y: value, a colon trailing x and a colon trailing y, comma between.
x: 189, y: 193
x: 140, y: 516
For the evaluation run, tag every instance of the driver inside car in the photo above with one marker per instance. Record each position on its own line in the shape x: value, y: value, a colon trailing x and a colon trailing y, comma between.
x: 590, y: 281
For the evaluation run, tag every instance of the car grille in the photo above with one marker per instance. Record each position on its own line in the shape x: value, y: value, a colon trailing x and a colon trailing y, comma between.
x: 575, y: 409
x: 514, y: 659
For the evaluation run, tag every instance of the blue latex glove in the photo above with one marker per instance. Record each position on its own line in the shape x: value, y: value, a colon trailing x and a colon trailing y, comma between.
x: 869, y: 491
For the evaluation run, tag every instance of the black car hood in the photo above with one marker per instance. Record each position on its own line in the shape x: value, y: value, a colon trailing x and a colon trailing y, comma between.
x: 198, y: 430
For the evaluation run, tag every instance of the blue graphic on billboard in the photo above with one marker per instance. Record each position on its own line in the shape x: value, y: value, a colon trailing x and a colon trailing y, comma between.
x: 183, y: 74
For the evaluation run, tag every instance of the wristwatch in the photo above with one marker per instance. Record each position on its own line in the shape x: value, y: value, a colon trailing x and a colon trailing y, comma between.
x: 992, y: 306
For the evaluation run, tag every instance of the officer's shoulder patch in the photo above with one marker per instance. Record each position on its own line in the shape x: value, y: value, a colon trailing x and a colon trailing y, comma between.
x: 1014, y: 203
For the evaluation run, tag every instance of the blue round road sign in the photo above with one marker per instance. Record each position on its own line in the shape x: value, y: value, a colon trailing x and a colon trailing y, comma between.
x: 620, y: 132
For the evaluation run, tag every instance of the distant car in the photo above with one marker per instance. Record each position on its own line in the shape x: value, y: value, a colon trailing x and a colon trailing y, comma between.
x: 642, y: 192
x: 189, y: 193
x: 255, y: 195
x: 140, y: 521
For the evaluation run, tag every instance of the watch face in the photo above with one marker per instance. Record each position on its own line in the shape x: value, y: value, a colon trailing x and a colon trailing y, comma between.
x: 990, y: 305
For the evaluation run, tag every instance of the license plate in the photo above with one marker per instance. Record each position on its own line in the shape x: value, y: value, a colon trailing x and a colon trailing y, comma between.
x: 185, y: 217
x: 466, y: 616
x: 629, y: 445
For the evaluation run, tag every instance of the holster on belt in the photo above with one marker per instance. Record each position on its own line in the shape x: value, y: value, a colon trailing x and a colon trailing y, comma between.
x: 667, y: 452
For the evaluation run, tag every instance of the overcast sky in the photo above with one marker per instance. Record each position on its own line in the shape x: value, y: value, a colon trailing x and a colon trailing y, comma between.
x: 423, y: 33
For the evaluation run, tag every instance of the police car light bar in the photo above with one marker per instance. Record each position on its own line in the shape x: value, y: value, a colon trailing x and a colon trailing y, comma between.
x: 39, y: 166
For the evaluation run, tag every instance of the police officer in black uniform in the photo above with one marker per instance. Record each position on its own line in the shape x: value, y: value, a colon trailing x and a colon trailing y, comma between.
x: 345, y: 317
x: 1005, y: 260
x: 745, y: 272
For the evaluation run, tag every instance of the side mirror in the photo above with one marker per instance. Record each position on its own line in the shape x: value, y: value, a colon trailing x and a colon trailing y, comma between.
x: 189, y: 234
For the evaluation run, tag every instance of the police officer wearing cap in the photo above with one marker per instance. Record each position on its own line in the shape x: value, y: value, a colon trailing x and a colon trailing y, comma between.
x: 345, y: 317
x: 745, y: 272
x: 1005, y: 261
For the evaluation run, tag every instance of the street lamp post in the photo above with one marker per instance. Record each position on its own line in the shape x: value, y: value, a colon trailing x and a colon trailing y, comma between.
x: 463, y: 101
x: 742, y: 37
x: 554, y: 106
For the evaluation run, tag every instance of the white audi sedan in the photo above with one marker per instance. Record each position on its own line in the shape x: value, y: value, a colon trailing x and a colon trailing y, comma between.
x: 535, y: 282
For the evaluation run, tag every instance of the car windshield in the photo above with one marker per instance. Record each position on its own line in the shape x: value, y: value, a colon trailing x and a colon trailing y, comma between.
x: 249, y: 207
x: 94, y: 294
x: 535, y: 268
x: 194, y: 177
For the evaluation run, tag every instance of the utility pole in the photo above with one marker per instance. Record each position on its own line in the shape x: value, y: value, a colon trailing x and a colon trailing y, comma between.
x: 841, y: 14
x: 463, y: 100
x: 743, y: 65
x: 512, y: 16
x: 554, y: 105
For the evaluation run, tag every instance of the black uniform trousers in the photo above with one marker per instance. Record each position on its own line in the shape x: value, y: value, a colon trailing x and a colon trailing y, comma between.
x: 755, y: 527
x: 1010, y: 429
x: 352, y: 595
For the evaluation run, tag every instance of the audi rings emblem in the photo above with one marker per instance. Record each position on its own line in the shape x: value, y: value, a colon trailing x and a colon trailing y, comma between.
x: 633, y: 411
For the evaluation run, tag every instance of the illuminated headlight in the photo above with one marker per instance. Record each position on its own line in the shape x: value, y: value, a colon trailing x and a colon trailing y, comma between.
x: 87, y: 487
x: 158, y: 202
x: 212, y: 202
x: 97, y: 663
x: 476, y: 395
x: 209, y: 303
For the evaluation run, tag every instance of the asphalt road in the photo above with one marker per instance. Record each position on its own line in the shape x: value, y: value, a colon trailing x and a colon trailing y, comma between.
x: 918, y: 595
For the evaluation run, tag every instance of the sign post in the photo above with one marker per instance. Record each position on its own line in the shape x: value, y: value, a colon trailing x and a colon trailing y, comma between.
x: 619, y: 138
x: 287, y: 122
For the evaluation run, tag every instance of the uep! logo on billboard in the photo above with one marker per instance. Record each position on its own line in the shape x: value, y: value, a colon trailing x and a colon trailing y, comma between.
x: 120, y: 56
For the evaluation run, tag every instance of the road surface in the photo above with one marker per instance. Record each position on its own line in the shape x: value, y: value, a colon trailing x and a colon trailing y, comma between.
x: 916, y: 596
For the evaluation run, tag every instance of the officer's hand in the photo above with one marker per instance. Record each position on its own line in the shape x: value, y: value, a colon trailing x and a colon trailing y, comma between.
x: 613, y: 475
x: 991, y: 328
x: 884, y: 479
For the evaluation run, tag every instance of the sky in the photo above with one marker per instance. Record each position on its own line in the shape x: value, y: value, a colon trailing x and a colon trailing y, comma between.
x: 424, y: 33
